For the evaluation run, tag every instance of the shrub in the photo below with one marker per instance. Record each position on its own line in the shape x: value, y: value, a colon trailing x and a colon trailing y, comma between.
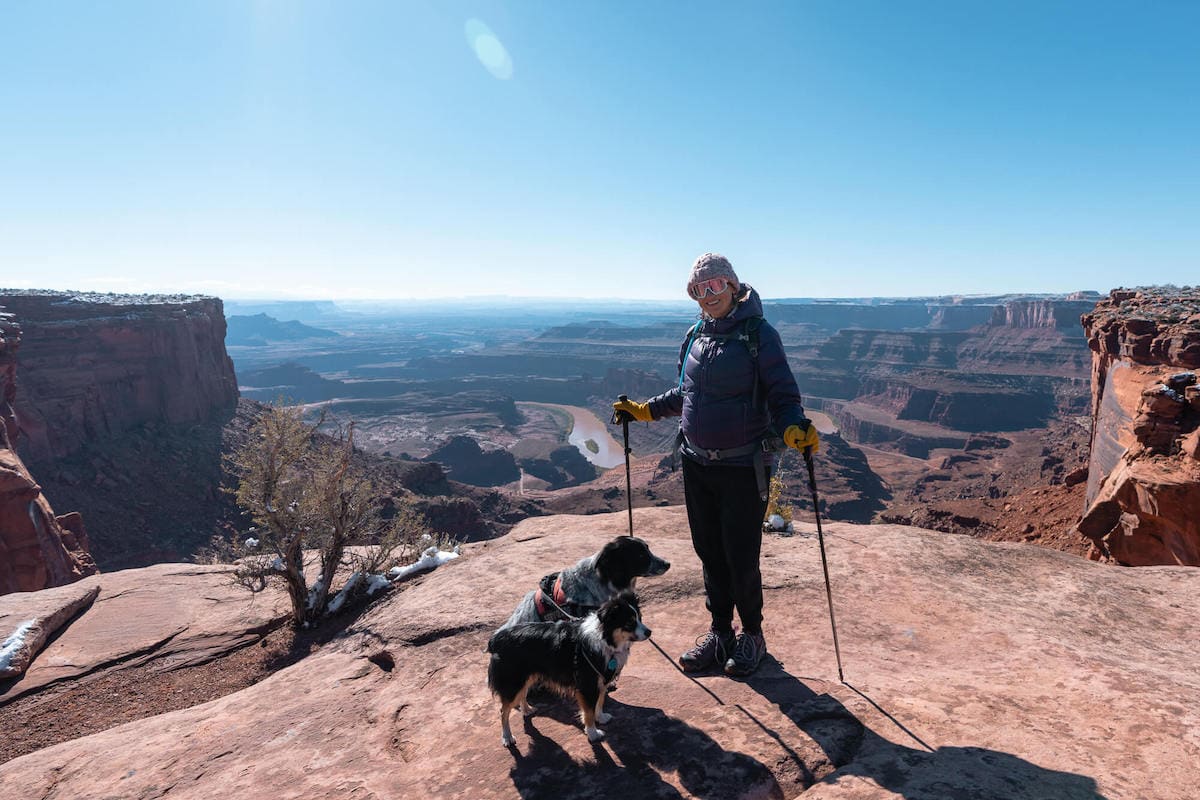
x: 309, y: 503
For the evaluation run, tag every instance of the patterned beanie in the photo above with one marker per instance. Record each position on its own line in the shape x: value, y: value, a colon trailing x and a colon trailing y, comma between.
x: 713, y: 265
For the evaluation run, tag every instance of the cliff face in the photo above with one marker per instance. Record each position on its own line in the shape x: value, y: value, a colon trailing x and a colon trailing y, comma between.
x: 1040, y: 313
x: 119, y: 407
x: 37, y: 549
x: 1144, y: 476
x: 95, y: 366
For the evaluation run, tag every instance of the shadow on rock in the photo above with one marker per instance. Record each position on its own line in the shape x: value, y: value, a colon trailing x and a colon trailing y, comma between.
x: 916, y: 773
x: 642, y: 744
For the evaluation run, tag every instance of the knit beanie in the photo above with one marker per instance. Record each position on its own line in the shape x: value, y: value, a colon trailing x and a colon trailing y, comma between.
x: 713, y: 265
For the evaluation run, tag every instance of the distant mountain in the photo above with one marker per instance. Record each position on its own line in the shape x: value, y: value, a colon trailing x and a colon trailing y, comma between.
x: 258, y: 330
x: 303, y: 310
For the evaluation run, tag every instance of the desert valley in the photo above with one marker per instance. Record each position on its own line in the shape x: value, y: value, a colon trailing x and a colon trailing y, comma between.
x: 975, y: 450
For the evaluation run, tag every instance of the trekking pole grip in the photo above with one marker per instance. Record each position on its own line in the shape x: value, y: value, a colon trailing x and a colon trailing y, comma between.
x: 620, y: 417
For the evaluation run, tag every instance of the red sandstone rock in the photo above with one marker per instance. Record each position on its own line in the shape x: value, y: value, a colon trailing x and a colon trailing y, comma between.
x: 29, y: 619
x: 1143, y: 485
x: 36, y: 552
x: 93, y: 366
x: 169, y: 615
x: 974, y: 670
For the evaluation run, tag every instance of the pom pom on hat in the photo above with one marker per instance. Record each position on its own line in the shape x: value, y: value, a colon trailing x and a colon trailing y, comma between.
x: 713, y: 265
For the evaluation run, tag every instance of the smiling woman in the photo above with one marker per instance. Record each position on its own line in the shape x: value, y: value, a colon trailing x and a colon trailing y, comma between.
x: 488, y: 49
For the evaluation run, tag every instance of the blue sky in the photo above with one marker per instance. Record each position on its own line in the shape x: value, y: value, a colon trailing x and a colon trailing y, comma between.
x: 432, y: 149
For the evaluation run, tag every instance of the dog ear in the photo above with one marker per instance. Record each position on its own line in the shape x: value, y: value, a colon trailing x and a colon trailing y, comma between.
x: 612, y: 563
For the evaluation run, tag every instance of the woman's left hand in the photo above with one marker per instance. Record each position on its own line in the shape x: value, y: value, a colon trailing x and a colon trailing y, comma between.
x: 802, y: 437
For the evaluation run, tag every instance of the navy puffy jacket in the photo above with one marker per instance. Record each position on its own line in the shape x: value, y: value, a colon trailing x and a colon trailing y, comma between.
x: 715, y: 399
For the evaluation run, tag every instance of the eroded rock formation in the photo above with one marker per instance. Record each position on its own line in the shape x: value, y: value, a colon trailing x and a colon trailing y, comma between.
x: 120, y: 406
x: 1144, y: 477
x: 37, y: 549
x: 94, y: 366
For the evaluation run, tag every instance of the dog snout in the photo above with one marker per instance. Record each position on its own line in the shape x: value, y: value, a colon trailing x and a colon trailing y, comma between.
x: 643, y: 633
x: 658, y: 566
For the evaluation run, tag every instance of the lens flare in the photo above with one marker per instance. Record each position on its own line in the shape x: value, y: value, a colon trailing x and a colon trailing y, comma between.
x: 488, y: 49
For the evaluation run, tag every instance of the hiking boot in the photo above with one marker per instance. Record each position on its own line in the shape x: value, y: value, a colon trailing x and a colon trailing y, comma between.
x: 711, y: 648
x: 747, y: 653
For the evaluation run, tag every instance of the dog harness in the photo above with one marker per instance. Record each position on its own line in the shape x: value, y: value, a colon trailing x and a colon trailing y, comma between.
x: 550, y: 585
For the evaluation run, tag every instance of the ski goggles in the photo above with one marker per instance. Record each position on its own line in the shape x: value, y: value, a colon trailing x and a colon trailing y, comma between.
x: 699, y: 291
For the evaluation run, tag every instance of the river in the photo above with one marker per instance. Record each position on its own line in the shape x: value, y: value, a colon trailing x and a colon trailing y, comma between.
x: 588, y: 427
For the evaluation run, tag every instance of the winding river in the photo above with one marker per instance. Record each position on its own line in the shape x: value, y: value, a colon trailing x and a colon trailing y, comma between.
x: 588, y: 427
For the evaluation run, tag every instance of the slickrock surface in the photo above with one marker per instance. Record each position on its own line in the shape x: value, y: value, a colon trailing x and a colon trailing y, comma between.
x: 974, y: 669
x: 29, y: 619
x: 1143, y: 487
x: 171, y: 615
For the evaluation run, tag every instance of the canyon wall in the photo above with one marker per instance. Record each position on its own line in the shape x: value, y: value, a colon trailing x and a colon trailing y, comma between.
x: 95, y: 366
x: 1144, y: 475
x: 38, y: 549
x: 119, y: 407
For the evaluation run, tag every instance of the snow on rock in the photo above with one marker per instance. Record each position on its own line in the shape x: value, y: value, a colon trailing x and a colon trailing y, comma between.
x: 431, y: 558
x: 29, y: 619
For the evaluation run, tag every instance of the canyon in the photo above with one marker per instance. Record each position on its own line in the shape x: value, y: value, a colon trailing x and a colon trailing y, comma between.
x: 1005, y: 419
x: 963, y: 414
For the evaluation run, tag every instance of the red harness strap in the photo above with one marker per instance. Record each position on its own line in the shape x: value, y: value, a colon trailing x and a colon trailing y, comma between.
x: 560, y: 598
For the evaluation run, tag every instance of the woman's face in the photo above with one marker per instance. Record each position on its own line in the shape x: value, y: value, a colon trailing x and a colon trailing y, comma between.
x: 717, y: 305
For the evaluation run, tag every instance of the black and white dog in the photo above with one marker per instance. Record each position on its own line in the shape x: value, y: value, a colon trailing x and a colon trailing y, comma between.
x: 585, y: 586
x: 576, y: 657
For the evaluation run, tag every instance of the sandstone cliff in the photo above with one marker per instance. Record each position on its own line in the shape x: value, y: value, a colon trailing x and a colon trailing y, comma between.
x: 1144, y: 477
x: 974, y: 670
x: 93, y: 366
x: 38, y: 550
x: 120, y: 403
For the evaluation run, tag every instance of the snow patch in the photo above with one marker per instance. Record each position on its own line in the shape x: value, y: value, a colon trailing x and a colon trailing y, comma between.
x: 336, y: 602
x: 377, y: 582
x: 429, y: 559
x: 13, y: 644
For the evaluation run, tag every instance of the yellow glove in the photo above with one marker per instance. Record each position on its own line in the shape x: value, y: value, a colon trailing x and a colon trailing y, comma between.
x: 639, y: 411
x: 802, y: 438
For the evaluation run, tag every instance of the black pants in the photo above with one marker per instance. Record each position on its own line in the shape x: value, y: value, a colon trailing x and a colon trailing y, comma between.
x: 725, y: 513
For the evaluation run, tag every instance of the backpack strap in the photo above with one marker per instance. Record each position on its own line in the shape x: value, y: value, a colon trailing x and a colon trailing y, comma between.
x: 683, y: 361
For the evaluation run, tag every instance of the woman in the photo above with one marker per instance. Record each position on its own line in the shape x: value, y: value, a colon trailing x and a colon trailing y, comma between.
x: 735, y: 391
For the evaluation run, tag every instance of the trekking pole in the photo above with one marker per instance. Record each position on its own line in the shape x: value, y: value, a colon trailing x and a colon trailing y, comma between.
x: 623, y: 418
x: 812, y: 484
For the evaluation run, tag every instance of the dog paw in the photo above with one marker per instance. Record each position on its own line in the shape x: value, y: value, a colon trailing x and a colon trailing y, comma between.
x: 528, y: 709
x: 612, y: 687
x: 603, y: 717
x: 595, y: 735
x: 507, y: 741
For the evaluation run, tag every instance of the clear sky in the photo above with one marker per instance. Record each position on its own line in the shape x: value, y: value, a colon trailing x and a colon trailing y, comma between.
x: 399, y: 149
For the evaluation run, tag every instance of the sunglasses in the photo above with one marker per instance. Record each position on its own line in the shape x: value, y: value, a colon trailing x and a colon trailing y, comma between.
x: 700, y: 290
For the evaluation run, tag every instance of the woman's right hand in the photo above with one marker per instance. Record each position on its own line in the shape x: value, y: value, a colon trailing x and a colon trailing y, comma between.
x: 632, y: 409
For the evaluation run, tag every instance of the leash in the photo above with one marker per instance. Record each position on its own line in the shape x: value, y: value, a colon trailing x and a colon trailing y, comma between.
x: 561, y: 610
